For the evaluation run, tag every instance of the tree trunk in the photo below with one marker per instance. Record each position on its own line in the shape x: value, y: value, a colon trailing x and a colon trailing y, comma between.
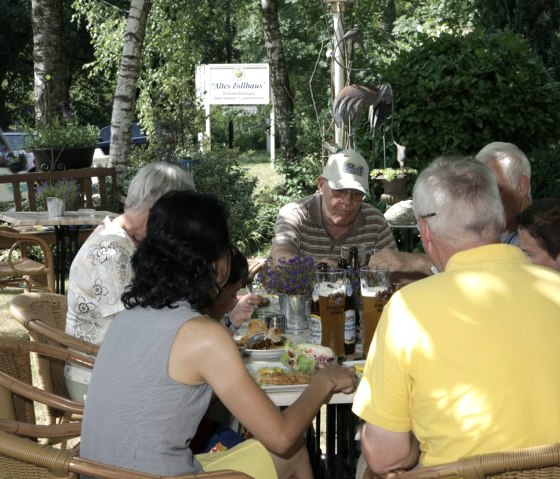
x: 52, y: 97
x: 281, y: 93
x: 125, y: 92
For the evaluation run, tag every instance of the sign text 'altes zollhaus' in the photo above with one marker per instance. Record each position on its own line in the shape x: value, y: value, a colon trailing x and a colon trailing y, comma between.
x: 235, y: 84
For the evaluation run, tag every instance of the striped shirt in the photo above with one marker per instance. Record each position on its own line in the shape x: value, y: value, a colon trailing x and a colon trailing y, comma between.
x: 299, y: 228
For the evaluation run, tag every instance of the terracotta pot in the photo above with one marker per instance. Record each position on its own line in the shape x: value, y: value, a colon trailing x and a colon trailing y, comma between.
x: 394, y: 190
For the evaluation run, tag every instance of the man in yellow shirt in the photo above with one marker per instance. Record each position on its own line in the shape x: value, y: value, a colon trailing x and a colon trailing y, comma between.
x: 463, y: 362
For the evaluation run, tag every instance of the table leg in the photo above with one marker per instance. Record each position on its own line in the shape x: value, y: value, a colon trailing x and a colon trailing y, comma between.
x: 60, y: 258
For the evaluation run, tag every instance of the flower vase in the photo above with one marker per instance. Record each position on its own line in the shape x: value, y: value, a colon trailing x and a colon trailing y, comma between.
x: 55, y: 206
x: 297, y: 309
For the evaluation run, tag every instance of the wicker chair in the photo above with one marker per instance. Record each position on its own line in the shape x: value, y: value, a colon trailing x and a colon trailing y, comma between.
x: 17, y: 394
x: 44, y: 316
x: 21, y: 271
x: 22, y: 458
x: 537, y: 462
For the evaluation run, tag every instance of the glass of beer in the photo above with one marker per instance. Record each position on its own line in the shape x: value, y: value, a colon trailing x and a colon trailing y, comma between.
x: 376, y: 290
x: 332, y: 295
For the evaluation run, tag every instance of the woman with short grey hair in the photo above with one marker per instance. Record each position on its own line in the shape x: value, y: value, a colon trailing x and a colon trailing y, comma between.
x: 101, y: 269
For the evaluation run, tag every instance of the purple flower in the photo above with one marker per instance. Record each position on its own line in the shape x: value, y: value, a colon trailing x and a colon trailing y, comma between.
x: 289, y: 276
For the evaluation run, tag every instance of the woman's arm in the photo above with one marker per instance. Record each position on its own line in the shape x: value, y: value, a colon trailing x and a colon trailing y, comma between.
x: 204, y: 352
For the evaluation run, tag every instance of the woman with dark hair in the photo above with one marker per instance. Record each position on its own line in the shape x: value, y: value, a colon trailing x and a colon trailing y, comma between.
x: 143, y: 413
x: 539, y: 232
x: 236, y: 309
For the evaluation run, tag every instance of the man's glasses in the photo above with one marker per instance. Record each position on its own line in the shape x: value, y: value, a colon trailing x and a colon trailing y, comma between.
x: 356, y: 196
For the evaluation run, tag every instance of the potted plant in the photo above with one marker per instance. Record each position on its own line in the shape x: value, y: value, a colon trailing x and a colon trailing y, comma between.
x: 394, y: 182
x: 293, y: 281
x: 63, y: 144
x: 57, y: 195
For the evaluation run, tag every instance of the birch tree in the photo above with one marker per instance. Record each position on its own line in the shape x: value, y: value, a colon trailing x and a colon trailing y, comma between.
x: 51, y: 89
x: 127, y: 80
x: 281, y: 92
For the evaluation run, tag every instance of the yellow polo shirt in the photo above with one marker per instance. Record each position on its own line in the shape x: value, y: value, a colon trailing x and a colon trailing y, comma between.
x: 468, y: 359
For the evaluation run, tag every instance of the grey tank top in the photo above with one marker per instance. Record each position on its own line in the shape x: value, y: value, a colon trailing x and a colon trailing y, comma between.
x: 135, y: 415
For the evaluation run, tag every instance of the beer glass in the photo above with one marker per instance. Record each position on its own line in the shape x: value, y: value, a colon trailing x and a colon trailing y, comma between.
x: 332, y: 295
x: 375, y: 285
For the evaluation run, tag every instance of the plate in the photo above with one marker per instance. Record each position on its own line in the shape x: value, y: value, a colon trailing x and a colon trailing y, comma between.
x: 359, y: 365
x: 261, y: 354
x: 253, y: 371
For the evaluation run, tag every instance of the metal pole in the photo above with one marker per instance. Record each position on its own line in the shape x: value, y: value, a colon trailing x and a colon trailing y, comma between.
x: 338, y: 72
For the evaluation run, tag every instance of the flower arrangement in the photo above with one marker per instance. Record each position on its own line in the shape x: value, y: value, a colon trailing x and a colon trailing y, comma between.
x: 295, y: 275
x: 64, y: 189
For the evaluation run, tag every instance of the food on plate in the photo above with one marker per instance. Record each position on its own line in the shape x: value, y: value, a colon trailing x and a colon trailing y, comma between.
x: 306, y: 357
x: 269, y: 343
x: 282, y: 377
x: 255, y: 326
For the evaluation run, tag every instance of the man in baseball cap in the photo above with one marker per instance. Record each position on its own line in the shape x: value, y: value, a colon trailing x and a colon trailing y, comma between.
x: 335, y: 216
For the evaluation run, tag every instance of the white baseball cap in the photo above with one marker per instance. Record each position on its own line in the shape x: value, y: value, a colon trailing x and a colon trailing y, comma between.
x: 347, y: 169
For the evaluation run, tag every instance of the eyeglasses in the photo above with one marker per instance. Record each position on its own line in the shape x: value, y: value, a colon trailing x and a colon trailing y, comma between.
x: 356, y: 196
x: 429, y: 215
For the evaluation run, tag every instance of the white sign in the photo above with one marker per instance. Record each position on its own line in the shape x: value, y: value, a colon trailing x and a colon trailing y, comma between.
x: 234, y: 84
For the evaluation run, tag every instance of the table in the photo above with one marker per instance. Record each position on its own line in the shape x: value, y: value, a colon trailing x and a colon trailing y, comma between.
x: 66, y: 238
x: 341, y: 455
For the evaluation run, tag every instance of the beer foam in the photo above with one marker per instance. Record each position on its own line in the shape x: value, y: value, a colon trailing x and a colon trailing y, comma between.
x: 373, y: 291
x: 326, y: 289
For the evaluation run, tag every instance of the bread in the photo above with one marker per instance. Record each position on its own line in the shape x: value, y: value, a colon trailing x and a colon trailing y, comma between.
x: 281, y: 377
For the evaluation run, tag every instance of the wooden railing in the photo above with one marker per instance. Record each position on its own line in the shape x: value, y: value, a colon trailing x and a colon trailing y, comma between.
x: 101, y: 195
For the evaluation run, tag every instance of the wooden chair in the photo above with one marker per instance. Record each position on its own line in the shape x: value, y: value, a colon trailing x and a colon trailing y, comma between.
x: 23, y: 458
x: 44, y: 316
x: 19, y: 269
x: 17, y: 394
x: 537, y: 462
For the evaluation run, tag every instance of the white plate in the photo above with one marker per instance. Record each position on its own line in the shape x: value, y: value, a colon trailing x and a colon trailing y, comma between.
x: 261, y: 354
x: 253, y: 371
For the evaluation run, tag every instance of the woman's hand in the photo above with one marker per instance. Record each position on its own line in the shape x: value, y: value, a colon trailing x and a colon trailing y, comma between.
x: 244, y: 309
x: 342, y: 379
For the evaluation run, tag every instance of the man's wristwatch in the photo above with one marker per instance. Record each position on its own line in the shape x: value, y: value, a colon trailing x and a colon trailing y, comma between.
x: 232, y: 327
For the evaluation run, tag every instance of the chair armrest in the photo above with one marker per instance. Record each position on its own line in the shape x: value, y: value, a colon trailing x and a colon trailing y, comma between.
x: 36, y: 394
x: 61, y: 337
x: 66, y: 430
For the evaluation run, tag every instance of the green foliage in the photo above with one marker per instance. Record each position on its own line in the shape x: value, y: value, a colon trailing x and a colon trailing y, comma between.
x: 454, y: 94
x: 536, y: 20
x: 219, y: 173
x: 300, y: 177
x: 391, y: 173
x: 249, y: 128
x: 56, y: 133
x: 545, y: 163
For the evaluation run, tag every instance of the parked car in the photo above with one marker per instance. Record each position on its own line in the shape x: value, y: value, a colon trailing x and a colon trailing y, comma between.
x: 138, y: 137
x: 13, y: 152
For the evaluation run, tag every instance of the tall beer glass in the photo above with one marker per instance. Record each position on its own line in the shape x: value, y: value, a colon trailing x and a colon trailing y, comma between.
x: 376, y: 290
x: 332, y: 294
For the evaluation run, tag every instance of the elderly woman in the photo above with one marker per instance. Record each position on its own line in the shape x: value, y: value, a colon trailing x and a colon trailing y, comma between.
x: 101, y: 270
x: 171, y: 358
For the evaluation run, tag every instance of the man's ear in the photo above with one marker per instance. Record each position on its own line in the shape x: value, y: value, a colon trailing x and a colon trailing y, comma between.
x: 524, y: 185
x: 321, y: 184
x: 425, y: 233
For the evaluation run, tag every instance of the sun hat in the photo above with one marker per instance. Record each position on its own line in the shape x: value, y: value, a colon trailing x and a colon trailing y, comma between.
x: 347, y: 169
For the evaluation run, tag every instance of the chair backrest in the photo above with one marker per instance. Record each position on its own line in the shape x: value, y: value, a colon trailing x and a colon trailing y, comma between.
x: 536, y: 462
x: 20, y: 457
x: 19, y: 268
x: 17, y: 393
x: 44, y: 316
x: 106, y: 187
